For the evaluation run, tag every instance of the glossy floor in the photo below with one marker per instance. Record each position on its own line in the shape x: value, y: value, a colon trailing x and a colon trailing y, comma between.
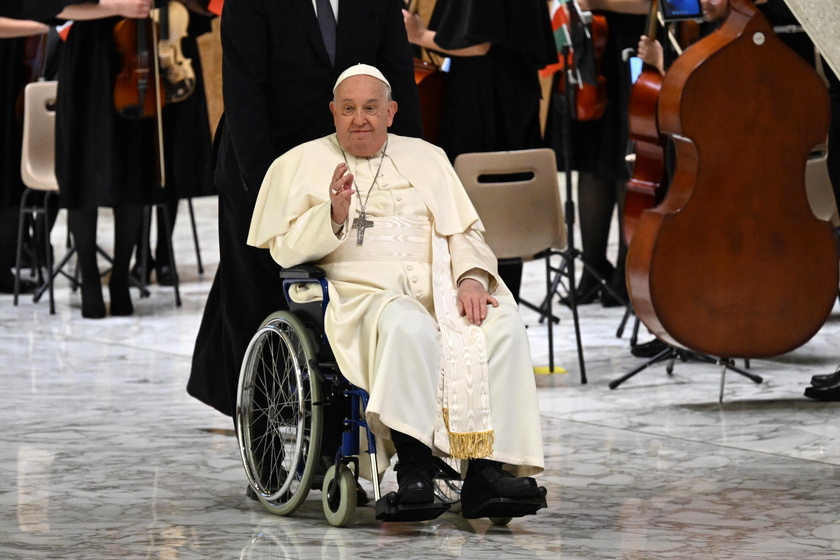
x: 104, y: 456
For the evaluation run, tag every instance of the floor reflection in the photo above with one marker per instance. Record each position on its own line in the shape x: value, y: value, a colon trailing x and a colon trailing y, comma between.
x: 104, y: 456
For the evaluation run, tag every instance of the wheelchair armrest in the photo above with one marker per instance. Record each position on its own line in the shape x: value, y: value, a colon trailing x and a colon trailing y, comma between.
x: 302, y: 272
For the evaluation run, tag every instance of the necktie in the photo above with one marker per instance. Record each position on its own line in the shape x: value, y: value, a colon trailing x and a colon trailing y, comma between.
x: 326, y: 20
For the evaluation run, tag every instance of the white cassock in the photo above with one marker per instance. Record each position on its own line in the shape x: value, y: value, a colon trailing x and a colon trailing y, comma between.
x: 383, y: 320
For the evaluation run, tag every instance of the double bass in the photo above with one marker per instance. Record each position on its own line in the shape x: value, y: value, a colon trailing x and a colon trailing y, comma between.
x: 733, y: 263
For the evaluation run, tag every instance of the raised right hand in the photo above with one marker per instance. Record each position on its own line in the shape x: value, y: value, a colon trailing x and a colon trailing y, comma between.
x: 341, y: 193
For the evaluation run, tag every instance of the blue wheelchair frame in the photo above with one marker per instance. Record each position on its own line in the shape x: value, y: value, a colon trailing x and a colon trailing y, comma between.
x: 388, y: 507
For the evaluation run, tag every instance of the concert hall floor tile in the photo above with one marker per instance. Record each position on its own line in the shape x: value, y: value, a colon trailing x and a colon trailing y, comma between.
x: 103, y: 455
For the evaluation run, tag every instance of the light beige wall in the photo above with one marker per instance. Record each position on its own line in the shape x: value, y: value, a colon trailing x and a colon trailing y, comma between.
x: 821, y: 20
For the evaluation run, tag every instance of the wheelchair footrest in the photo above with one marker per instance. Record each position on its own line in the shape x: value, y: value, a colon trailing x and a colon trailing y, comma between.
x: 388, y: 510
x: 505, y: 507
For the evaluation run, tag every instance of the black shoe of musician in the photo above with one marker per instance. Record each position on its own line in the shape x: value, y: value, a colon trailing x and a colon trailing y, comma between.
x: 648, y: 349
x: 415, y: 484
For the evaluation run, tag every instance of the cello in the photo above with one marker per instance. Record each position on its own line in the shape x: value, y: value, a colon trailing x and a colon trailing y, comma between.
x: 733, y: 263
x: 649, y: 144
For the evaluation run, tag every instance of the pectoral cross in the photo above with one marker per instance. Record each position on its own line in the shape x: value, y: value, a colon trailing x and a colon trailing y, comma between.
x: 361, y: 223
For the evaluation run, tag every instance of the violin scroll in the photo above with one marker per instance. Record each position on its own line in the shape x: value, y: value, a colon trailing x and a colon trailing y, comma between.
x: 176, y: 71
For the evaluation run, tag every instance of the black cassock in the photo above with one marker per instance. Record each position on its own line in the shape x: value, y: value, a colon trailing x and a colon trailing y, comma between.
x: 278, y: 83
x: 492, y: 102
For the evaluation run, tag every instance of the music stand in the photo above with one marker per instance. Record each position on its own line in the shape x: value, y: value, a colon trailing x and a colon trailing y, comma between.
x: 572, y: 75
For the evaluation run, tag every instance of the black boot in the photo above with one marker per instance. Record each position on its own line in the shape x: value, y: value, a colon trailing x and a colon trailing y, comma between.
x: 415, y: 471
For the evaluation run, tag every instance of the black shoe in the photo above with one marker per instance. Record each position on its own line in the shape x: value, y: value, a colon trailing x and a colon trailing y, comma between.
x: 821, y: 381
x: 415, y: 484
x: 135, y: 272
x: 618, y: 285
x: 27, y: 286
x: 93, y: 306
x: 494, y: 492
x: 164, y: 275
x: 649, y: 349
x: 121, y: 305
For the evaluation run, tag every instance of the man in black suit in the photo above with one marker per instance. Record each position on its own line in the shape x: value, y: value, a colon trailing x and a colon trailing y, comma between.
x: 278, y: 79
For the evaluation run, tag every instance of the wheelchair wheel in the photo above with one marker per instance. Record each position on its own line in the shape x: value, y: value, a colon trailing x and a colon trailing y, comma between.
x: 278, y: 426
x: 339, y: 495
x: 447, y: 482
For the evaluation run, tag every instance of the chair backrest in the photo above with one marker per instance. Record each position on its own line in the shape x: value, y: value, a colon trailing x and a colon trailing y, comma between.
x: 818, y: 186
x: 37, y: 161
x: 517, y: 197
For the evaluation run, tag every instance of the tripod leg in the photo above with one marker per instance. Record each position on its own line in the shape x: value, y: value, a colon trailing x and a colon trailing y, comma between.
x: 751, y: 376
x: 664, y: 355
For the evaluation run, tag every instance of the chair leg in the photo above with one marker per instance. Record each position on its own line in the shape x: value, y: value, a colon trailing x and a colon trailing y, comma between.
x: 195, y: 237
x: 145, y: 228
x: 45, y: 236
x: 167, y: 223
x: 22, y: 213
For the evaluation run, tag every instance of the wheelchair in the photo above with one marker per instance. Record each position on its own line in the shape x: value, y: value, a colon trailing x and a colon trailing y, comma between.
x: 289, y: 396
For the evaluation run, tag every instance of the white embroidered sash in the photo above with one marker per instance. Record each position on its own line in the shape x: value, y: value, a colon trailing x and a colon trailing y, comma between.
x: 464, y: 389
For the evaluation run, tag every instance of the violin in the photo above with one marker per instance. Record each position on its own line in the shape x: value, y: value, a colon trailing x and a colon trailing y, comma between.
x: 589, y: 92
x: 177, y: 72
x: 591, y: 97
x: 588, y: 34
x: 649, y: 145
x: 733, y: 263
x: 138, y: 91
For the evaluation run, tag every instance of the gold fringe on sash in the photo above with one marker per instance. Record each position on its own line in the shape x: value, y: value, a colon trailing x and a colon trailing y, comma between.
x: 468, y: 445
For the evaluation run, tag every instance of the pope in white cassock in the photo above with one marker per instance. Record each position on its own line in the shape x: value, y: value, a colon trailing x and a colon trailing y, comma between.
x: 418, y: 316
